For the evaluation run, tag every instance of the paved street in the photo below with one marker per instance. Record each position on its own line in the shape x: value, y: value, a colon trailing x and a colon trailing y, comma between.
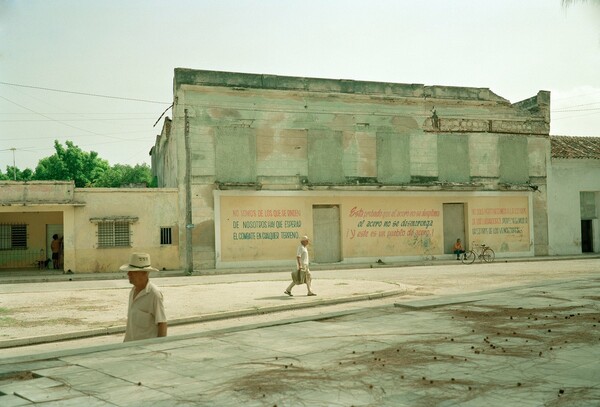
x: 519, y: 333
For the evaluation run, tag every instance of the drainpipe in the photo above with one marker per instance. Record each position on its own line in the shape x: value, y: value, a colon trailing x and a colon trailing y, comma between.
x: 189, y: 269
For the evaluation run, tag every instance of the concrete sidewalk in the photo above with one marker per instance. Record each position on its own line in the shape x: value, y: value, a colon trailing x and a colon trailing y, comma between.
x: 62, y: 310
x: 494, y: 335
x: 50, y: 275
x: 49, y: 306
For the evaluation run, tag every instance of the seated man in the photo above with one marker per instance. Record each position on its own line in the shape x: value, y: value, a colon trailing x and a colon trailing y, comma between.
x: 458, y: 249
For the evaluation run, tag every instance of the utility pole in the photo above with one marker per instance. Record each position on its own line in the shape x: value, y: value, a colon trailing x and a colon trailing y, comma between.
x: 189, y: 248
x: 14, y: 165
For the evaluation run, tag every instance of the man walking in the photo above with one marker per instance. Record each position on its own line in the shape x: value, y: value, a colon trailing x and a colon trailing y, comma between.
x: 146, y: 312
x: 304, y: 275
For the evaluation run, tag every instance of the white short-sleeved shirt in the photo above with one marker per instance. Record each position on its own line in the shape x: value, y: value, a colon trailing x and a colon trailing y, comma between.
x: 302, y: 252
x: 144, y: 313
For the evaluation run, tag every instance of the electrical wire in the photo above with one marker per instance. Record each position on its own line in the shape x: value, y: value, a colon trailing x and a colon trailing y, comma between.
x: 84, y: 93
x: 47, y: 117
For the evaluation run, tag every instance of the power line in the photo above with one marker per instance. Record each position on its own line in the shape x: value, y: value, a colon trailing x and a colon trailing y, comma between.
x: 584, y: 104
x: 47, y: 117
x: 576, y: 96
x: 80, y: 114
x: 75, y: 120
x: 84, y: 93
x: 566, y: 110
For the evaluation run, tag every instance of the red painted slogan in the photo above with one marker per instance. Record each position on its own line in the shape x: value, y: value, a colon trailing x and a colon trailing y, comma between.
x: 379, y: 223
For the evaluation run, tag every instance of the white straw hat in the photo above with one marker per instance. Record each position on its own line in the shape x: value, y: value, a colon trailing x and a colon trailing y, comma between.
x: 138, y: 262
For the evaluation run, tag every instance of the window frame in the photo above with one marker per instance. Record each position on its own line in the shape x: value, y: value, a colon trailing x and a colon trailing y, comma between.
x: 114, y: 232
x: 166, y: 235
x: 13, y: 236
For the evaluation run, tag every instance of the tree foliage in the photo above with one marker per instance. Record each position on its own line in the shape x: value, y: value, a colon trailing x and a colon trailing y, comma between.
x: 86, y: 169
x: 71, y: 163
x: 120, y: 175
x: 15, y: 174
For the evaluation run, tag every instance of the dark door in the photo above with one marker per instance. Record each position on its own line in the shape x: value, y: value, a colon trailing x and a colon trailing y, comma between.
x: 587, y: 237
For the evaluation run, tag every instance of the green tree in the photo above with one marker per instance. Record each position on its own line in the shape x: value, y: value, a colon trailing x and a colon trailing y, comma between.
x: 122, y: 174
x: 25, y: 175
x: 71, y: 163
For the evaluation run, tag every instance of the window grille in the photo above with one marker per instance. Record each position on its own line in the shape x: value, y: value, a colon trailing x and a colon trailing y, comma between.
x: 5, y: 237
x: 166, y: 236
x: 13, y: 236
x: 114, y: 234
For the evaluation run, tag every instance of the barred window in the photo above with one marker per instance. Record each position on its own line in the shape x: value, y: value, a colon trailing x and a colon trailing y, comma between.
x: 114, y: 234
x: 13, y: 236
x: 166, y: 236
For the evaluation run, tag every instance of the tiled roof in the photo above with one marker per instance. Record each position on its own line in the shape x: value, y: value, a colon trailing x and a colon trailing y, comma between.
x: 575, y: 147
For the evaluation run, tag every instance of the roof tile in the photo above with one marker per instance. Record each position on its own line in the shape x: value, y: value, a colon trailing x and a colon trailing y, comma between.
x: 575, y: 147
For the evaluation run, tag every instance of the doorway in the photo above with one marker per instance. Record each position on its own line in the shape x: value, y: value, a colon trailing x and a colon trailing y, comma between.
x: 587, y: 236
x: 454, y: 225
x: 326, y: 229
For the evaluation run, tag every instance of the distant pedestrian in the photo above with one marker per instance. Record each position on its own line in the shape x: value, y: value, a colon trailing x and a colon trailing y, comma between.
x: 302, y: 274
x: 146, y: 312
x: 55, y: 247
x: 458, y: 249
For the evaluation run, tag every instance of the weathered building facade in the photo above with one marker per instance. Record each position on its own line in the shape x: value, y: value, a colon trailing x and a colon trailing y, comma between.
x: 368, y: 170
x: 98, y: 227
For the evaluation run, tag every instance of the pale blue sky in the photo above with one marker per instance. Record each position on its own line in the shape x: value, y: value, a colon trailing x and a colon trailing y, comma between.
x: 129, y: 48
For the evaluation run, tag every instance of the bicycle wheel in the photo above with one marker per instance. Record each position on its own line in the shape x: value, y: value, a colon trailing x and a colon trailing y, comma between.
x: 488, y: 255
x: 469, y: 257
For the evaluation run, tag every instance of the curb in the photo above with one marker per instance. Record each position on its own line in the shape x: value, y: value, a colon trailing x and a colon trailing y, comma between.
x: 13, y: 277
x: 36, y: 340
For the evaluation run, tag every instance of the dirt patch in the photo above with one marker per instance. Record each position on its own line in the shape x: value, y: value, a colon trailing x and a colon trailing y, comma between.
x: 14, y: 376
x: 525, y: 331
x: 437, y: 365
x: 275, y: 375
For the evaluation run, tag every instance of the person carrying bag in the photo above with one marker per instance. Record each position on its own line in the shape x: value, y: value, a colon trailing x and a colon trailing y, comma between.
x: 302, y: 274
x: 298, y: 277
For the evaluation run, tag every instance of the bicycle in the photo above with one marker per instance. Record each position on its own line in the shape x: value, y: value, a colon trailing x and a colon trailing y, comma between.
x: 481, y: 252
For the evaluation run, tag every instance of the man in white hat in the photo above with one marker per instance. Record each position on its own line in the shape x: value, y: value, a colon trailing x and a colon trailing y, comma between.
x: 146, y: 312
x: 302, y: 275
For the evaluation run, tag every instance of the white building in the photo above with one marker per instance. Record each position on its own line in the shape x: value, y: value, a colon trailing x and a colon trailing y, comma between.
x: 574, y: 195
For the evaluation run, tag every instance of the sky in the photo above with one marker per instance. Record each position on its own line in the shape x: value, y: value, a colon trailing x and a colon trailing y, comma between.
x: 99, y: 73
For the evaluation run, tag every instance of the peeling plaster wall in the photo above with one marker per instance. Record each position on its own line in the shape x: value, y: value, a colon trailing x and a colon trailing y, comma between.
x: 453, y: 158
x: 32, y: 192
x: 393, y: 158
x: 268, y: 132
x: 164, y: 157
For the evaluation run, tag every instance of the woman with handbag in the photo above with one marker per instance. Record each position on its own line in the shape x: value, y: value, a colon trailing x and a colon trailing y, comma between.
x: 302, y: 274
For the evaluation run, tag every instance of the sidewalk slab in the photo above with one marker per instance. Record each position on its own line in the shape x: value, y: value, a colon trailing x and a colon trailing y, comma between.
x: 516, y: 347
x: 83, y: 310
